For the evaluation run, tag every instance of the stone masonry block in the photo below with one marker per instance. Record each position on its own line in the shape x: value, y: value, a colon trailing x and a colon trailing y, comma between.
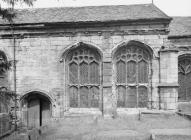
x: 107, y: 72
x: 107, y: 65
x: 107, y: 78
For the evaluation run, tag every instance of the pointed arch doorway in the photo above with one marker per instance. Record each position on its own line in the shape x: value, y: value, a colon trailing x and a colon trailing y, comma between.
x: 36, y: 109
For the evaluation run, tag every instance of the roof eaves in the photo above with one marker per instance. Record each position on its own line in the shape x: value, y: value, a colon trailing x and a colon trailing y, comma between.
x: 178, y: 36
x: 90, y: 22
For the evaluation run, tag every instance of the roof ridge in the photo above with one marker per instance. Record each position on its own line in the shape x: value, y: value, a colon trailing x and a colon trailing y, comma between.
x: 89, y: 6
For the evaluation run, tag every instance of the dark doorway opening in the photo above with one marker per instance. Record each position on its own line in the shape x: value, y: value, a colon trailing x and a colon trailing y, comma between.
x: 38, y: 109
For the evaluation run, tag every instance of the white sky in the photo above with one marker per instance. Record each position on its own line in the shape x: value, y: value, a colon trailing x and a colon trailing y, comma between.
x: 170, y: 7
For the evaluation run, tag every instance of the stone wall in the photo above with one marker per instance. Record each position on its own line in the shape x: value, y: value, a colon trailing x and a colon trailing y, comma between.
x: 39, y: 56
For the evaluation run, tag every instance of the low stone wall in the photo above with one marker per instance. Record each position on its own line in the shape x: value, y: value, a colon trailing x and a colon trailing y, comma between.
x: 5, y: 124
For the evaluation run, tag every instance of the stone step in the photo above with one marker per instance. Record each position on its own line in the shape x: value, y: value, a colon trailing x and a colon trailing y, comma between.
x: 170, y: 134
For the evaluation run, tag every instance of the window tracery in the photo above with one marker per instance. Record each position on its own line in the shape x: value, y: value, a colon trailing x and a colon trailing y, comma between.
x: 184, y: 79
x: 132, y: 76
x: 84, y: 77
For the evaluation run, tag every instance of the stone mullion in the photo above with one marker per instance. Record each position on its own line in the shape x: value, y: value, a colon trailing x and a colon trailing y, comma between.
x: 89, y: 99
x: 182, y: 95
x: 78, y: 86
x: 137, y: 77
x: 137, y: 86
x: 186, y: 75
x: 149, y: 81
x: 100, y: 87
x: 126, y: 86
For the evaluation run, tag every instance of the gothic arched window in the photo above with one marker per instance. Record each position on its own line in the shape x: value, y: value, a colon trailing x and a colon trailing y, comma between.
x: 132, y: 76
x: 184, y: 78
x: 4, y: 66
x: 84, y: 70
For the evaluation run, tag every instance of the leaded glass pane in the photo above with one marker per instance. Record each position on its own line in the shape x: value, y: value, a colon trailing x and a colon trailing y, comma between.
x: 121, y: 96
x: 142, y: 96
x: 142, y: 72
x: 184, y: 79
x: 73, y: 73
x: 94, y: 73
x: 84, y: 93
x: 145, y: 55
x: 94, y: 96
x: 73, y: 92
x: 83, y: 73
x: 131, y: 97
x: 121, y: 72
x: 182, y: 87
x: 131, y: 72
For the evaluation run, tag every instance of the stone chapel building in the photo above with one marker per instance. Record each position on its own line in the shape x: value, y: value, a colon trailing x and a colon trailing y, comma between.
x: 97, y: 59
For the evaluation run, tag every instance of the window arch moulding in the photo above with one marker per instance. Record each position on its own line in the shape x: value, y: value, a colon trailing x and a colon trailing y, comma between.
x: 132, y: 74
x: 83, y: 70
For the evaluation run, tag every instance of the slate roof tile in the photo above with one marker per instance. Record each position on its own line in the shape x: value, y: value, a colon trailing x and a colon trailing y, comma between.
x: 88, y: 14
x: 180, y: 26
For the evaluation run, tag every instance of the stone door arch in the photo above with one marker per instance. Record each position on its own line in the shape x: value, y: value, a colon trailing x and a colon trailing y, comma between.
x: 36, y: 109
x: 132, y: 75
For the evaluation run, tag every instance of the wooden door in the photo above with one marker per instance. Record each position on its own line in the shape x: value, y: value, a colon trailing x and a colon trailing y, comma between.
x: 34, y: 113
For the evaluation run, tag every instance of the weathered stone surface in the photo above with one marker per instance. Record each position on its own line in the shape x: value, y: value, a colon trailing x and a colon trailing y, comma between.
x: 41, y: 64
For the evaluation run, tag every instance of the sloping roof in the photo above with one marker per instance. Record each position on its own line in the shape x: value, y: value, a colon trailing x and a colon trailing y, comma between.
x: 88, y: 14
x: 180, y: 26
